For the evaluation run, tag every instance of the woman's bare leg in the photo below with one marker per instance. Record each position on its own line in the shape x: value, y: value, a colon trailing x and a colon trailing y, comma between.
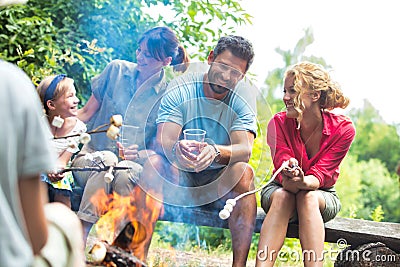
x: 273, y: 230
x: 311, y: 226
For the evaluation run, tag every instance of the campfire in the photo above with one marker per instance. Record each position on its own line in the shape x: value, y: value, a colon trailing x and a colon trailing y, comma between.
x: 117, y: 239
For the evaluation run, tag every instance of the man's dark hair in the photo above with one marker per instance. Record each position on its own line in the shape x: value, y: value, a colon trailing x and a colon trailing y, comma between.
x: 239, y: 46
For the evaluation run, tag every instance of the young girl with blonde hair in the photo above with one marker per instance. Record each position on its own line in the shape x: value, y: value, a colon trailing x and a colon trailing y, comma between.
x: 60, y: 103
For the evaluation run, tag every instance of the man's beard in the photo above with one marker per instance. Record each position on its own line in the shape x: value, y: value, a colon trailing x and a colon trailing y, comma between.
x: 218, y: 89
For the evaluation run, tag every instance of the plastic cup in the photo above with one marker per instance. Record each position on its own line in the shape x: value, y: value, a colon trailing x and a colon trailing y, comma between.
x: 128, y: 137
x: 195, y: 135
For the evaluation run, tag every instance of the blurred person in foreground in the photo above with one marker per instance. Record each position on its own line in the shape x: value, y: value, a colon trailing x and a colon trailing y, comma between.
x: 212, y: 171
x: 133, y: 90
x: 313, y: 139
x: 32, y: 232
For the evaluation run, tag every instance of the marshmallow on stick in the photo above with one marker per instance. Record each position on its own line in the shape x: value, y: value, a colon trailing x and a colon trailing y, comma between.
x: 57, y: 122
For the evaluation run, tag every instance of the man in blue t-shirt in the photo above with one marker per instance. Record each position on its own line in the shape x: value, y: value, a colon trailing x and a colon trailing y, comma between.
x: 209, y: 172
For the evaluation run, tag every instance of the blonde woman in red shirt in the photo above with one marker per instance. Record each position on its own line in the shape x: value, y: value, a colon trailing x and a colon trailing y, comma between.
x: 314, y: 140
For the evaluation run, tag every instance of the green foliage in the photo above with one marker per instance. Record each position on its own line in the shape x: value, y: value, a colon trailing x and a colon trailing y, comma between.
x: 26, y: 39
x: 201, y: 22
x: 375, y: 138
x: 377, y: 214
x: 348, y: 186
x: 260, y: 159
x: 274, y: 80
x: 379, y: 187
x: 361, y: 195
x: 186, y: 236
x: 363, y: 186
x: 42, y: 39
x: 80, y: 37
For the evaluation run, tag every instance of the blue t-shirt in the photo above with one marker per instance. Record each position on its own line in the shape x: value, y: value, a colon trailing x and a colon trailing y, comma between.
x: 185, y: 104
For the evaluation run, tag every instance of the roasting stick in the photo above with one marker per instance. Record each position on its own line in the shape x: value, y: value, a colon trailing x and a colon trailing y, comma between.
x: 230, y: 203
x: 97, y: 169
x: 112, y: 130
x: 95, y: 131
x: 108, y: 177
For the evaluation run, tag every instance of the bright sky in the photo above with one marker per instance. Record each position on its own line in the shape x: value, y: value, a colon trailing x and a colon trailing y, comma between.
x: 359, y: 39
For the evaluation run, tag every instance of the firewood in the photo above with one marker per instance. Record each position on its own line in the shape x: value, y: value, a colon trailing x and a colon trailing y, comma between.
x: 104, y: 254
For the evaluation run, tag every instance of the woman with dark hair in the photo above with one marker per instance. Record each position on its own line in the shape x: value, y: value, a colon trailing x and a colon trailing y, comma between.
x: 313, y: 140
x: 133, y: 90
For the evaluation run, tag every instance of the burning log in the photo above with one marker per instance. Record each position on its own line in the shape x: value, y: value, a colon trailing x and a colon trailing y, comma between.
x: 104, y: 254
x: 125, y: 224
x: 133, y: 234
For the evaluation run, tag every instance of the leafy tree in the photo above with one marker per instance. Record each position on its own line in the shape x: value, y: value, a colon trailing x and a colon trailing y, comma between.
x: 348, y: 187
x: 80, y: 37
x: 377, y: 214
x: 274, y: 80
x: 202, y: 22
x: 379, y: 188
x: 26, y: 38
x: 375, y: 138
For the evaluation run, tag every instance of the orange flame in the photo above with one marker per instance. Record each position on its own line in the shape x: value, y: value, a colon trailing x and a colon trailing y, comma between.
x: 140, y: 209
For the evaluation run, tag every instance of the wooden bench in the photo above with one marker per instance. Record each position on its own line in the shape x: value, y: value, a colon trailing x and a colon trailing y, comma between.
x: 354, y: 231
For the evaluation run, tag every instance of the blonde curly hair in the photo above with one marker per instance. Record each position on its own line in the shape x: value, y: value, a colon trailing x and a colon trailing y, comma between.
x: 314, y: 77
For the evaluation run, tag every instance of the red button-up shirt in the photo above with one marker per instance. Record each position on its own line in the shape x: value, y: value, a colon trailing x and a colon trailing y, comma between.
x: 285, y: 142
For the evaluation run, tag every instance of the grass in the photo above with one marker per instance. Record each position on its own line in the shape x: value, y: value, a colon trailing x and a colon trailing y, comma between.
x: 186, y: 254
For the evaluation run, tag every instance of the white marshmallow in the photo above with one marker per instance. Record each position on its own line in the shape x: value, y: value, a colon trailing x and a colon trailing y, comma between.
x: 108, y: 177
x: 228, y: 207
x: 84, y: 138
x: 112, y: 132
x: 88, y: 157
x: 116, y: 120
x: 224, y: 214
x: 57, y: 122
x: 231, y: 201
x: 98, y: 252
